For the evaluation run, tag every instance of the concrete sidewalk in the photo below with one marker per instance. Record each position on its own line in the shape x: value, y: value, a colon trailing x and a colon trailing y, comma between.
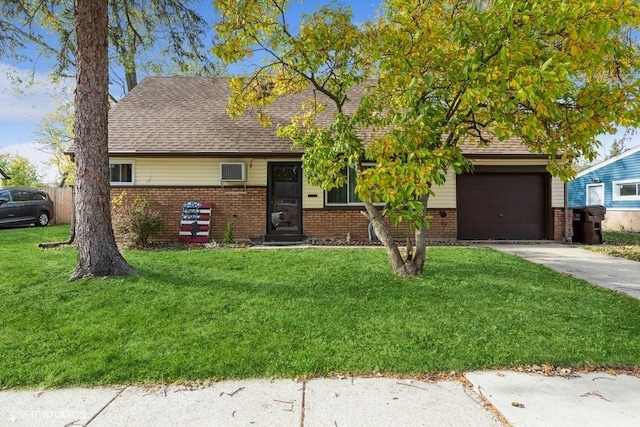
x: 479, y: 399
x: 533, y: 399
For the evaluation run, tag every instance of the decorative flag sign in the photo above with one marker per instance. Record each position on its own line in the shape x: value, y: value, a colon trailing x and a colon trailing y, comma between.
x: 195, y: 223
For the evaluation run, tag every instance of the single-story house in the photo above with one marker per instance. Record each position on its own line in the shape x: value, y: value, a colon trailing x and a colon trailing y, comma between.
x: 3, y: 176
x: 614, y: 184
x: 172, y: 138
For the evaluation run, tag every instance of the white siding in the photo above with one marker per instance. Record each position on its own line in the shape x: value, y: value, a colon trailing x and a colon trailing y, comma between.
x: 205, y: 171
x: 178, y: 171
x: 445, y: 195
x: 557, y: 193
x: 189, y: 171
x: 312, y: 196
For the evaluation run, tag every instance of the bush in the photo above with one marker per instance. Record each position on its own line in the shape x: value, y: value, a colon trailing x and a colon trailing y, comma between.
x: 134, y: 219
x: 228, y: 233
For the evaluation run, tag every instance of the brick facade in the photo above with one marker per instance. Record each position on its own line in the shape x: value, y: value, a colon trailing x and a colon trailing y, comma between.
x: 248, y: 211
x: 337, y: 223
x: 558, y: 224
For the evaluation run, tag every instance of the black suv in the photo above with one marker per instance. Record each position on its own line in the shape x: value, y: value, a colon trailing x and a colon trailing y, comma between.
x: 19, y: 206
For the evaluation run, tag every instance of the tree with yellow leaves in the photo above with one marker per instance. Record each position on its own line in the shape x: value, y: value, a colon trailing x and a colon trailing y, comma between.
x: 433, y: 74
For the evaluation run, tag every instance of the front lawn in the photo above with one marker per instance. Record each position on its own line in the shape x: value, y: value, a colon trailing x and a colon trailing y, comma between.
x: 240, y: 313
x: 619, y: 244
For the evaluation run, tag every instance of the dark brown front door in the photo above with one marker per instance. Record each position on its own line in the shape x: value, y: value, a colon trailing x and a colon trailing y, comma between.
x: 284, y: 200
x: 507, y: 206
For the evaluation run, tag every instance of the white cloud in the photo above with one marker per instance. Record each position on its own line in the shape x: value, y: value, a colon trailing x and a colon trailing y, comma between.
x: 27, y: 97
x: 23, y: 107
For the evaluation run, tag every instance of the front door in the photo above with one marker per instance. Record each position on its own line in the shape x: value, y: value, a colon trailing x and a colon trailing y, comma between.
x: 284, y: 198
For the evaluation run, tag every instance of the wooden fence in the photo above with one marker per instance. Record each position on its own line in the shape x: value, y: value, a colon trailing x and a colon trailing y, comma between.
x: 63, y: 203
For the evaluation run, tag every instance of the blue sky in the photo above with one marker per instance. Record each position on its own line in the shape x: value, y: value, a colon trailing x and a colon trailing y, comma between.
x: 21, y: 114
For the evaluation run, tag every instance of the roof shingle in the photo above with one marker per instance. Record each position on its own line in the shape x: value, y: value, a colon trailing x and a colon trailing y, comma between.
x: 188, y: 116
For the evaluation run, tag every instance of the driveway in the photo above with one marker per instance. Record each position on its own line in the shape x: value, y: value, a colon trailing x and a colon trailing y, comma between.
x: 619, y: 274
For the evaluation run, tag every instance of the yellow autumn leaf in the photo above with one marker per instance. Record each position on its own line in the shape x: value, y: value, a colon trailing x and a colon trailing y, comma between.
x: 575, y: 50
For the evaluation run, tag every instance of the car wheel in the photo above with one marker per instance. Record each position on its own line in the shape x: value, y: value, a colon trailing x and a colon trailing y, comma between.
x: 43, y: 219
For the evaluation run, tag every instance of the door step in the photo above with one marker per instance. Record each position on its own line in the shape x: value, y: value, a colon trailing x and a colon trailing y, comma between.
x: 274, y: 238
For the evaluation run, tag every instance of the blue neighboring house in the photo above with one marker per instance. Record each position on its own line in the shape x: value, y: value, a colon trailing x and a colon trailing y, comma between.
x: 614, y: 183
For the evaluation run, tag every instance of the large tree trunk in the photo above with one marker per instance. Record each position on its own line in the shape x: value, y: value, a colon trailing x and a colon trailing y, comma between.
x: 97, y: 250
x: 412, y: 263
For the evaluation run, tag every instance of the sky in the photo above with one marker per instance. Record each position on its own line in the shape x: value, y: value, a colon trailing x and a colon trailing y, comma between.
x: 22, y: 112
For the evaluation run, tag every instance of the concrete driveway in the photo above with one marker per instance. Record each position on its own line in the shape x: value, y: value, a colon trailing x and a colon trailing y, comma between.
x: 607, y: 271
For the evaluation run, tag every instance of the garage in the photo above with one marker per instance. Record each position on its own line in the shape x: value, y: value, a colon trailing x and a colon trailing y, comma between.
x: 501, y: 206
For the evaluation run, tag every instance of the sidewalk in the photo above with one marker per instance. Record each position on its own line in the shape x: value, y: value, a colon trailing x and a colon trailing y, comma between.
x: 525, y: 399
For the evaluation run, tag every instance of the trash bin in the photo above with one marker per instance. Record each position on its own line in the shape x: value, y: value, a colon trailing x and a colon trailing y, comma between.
x: 587, y: 224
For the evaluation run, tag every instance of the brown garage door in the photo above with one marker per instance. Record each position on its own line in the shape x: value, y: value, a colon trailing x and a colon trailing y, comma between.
x: 501, y: 206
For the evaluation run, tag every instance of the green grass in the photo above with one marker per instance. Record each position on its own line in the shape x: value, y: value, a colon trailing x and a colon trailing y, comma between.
x: 239, y: 313
x: 619, y: 244
x: 621, y: 238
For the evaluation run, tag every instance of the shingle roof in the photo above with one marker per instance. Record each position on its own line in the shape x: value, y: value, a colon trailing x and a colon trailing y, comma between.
x: 188, y: 116
x: 508, y: 147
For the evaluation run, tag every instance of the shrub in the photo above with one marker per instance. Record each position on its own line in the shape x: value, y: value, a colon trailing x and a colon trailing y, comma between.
x: 135, y: 220
x: 228, y: 233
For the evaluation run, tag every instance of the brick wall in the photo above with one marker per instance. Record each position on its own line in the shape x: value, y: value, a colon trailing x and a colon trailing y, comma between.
x: 336, y: 223
x: 247, y: 210
x: 558, y: 223
x: 444, y: 225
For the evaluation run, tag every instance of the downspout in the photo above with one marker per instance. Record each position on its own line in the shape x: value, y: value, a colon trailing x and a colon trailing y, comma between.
x: 567, y: 238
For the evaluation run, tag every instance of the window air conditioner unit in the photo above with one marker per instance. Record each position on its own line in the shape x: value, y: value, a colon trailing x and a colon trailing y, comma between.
x: 233, y: 172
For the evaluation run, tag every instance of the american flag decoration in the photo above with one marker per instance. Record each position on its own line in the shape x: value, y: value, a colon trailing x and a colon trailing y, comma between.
x: 195, y: 222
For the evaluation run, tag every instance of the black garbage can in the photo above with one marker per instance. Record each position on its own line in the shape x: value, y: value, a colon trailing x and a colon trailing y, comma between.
x: 587, y: 224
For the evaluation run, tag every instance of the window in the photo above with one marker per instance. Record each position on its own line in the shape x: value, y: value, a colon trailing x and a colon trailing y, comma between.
x: 121, y: 173
x: 37, y: 195
x: 21, y: 196
x: 595, y: 194
x: 626, y: 190
x: 346, y: 194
